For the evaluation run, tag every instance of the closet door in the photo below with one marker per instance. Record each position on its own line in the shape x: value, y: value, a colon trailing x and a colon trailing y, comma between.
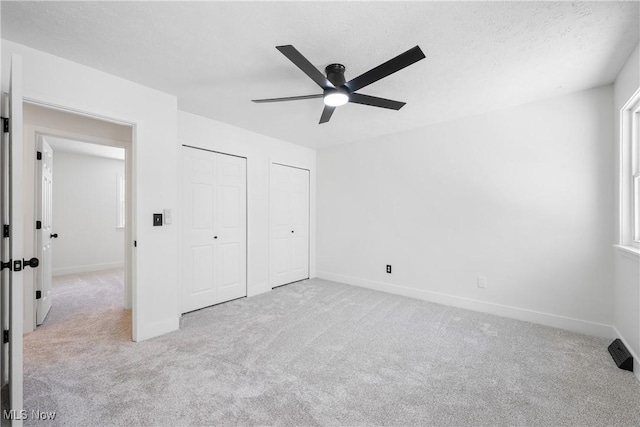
x: 213, y: 229
x: 231, y: 219
x: 289, y: 216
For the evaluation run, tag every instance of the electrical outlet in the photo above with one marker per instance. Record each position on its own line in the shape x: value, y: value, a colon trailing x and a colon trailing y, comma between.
x: 388, y: 269
x: 482, y: 282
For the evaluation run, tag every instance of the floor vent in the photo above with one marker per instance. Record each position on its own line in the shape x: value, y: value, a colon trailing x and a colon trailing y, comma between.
x: 621, y: 355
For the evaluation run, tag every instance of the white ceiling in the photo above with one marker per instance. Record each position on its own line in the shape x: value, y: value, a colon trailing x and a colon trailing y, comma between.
x: 217, y: 56
x: 84, y: 148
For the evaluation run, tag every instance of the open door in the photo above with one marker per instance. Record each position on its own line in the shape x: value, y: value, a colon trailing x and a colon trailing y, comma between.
x: 12, y: 248
x: 44, y: 230
x: 289, y: 218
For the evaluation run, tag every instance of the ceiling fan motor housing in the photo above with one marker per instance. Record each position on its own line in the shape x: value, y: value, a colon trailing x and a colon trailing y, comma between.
x: 339, y: 95
x: 335, y: 74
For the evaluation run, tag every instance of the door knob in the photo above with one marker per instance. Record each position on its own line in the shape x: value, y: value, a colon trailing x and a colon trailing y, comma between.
x: 54, y: 235
x: 33, y: 262
x: 292, y: 231
x: 215, y: 237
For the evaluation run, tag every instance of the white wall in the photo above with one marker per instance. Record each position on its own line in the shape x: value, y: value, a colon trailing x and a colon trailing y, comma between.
x: 521, y: 196
x: 260, y: 152
x: 55, y: 81
x: 51, y: 120
x: 626, y: 265
x: 84, y: 213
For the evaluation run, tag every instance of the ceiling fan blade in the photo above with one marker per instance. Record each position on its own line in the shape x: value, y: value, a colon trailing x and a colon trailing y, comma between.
x: 401, y: 61
x: 358, y: 98
x: 326, y: 114
x: 306, y: 66
x: 289, y: 98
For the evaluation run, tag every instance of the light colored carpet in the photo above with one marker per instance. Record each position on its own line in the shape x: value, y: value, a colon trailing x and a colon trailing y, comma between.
x: 318, y: 353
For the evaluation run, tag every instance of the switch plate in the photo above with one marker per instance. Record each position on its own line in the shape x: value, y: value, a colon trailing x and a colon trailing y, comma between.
x: 482, y: 282
x: 167, y: 216
x: 388, y: 269
x: 157, y: 220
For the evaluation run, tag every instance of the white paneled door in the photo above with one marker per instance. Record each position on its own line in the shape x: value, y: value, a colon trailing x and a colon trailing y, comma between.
x: 214, y: 229
x: 11, y: 273
x: 44, y: 230
x: 289, y: 216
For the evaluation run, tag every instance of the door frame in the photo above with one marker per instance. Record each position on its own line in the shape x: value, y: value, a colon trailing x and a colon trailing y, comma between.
x: 130, y: 180
x: 44, y: 267
x: 271, y: 164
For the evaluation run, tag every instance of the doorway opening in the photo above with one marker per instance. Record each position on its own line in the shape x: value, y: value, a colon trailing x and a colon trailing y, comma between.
x: 80, y: 239
x: 83, y: 225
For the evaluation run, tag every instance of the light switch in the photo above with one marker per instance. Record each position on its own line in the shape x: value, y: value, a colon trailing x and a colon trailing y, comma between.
x: 157, y: 220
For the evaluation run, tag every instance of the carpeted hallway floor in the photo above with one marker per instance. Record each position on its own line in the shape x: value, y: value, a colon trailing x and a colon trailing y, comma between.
x: 316, y: 353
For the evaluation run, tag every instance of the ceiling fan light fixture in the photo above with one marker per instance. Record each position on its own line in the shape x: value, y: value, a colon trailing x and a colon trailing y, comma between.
x: 335, y: 98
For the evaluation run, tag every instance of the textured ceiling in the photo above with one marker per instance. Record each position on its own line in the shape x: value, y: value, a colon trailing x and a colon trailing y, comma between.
x: 217, y: 56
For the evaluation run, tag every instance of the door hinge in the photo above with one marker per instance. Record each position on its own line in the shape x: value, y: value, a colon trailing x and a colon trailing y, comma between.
x: 39, y: 155
x: 38, y: 225
x: 4, y: 265
x: 5, y: 125
x: 38, y: 294
x: 135, y: 243
x: 6, y: 230
x: 5, y: 336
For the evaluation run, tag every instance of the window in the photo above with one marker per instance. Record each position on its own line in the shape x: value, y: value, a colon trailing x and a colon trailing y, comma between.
x: 630, y: 172
x: 120, y: 201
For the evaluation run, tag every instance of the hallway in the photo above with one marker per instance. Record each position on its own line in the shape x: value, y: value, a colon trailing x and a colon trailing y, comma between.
x: 87, y: 312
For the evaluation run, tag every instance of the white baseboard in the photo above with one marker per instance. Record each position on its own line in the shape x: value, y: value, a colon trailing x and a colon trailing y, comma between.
x: 547, y: 319
x: 86, y: 268
x: 636, y: 362
x: 154, y: 329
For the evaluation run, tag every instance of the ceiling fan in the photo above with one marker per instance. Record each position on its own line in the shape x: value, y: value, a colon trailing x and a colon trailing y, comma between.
x: 337, y: 91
